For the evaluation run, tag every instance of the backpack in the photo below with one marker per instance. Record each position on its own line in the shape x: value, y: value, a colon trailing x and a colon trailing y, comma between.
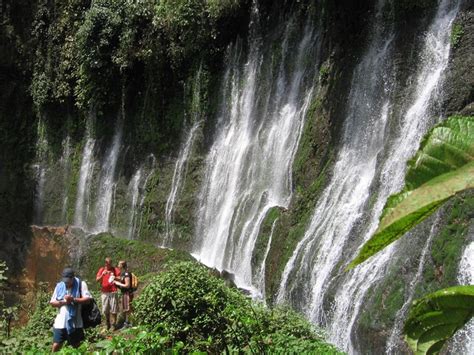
x: 90, y: 312
x: 133, y: 282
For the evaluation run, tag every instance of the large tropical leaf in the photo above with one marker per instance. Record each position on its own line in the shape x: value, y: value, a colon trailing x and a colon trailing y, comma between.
x: 442, y: 167
x: 434, y: 318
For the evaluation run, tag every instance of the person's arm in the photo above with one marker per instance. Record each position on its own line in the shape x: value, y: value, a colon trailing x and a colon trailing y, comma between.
x: 125, y: 284
x: 85, y: 297
x: 58, y: 303
x: 102, y: 271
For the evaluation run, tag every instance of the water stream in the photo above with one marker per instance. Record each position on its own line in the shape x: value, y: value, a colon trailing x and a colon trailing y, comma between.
x: 248, y: 169
x: 84, y: 185
x: 178, y: 174
x: 344, y: 205
x: 103, y: 205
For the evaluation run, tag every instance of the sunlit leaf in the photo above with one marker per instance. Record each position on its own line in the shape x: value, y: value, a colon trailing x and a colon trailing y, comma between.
x: 442, y: 168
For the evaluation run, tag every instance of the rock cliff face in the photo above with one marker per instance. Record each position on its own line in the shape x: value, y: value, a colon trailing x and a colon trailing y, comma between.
x: 109, y: 110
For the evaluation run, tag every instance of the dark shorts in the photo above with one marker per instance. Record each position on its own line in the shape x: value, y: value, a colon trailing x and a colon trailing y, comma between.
x: 74, y: 339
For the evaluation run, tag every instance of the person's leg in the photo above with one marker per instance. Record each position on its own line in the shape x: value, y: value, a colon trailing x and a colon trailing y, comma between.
x: 76, y: 337
x: 59, y: 336
x: 114, y: 309
x: 106, y: 308
x: 56, y: 347
x: 128, y: 297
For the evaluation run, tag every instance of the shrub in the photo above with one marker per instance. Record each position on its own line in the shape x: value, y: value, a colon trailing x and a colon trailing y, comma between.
x: 192, y: 307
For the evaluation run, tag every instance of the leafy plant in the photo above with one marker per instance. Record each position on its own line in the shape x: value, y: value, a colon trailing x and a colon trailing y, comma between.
x: 434, y: 318
x: 7, y: 314
x: 442, y: 168
x: 190, y: 306
x: 456, y: 34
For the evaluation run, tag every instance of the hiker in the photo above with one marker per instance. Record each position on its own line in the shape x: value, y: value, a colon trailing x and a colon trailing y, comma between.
x: 69, y: 296
x: 125, y: 285
x: 106, y: 276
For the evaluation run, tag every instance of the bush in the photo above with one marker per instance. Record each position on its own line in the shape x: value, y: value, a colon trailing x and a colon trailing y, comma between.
x: 192, y: 307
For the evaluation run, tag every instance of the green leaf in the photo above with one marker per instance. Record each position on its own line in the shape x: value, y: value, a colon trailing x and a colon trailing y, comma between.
x: 434, y: 318
x: 442, y: 168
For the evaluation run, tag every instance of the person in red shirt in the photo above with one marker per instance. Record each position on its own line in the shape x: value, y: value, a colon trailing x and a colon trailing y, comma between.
x: 106, y: 276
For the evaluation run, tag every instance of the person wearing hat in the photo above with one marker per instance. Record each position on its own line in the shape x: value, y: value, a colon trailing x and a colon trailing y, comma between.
x: 69, y: 295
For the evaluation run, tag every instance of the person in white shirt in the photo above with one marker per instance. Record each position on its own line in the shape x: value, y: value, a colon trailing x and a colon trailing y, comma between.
x: 69, y: 296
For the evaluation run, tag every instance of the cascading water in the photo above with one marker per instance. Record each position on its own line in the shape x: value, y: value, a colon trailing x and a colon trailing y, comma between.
x: 133, y: 192
x: 66, y: 166
x: 248, y: 169
x: 106, y: 184
x: 463, y: 341
x: 179, y: 172
x: 260, y: 278
x: 40, y: 168
x: 83, y: 187
x: 395, y: 337
x: 343, y: 205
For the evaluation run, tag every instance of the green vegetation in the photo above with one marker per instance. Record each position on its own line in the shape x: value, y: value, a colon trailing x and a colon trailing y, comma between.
x: 457, y: 32
x: 184, y: 309
x: 442, y: 168
x: 7, y: 313
x: 205, y: 315
x: 436, y: 317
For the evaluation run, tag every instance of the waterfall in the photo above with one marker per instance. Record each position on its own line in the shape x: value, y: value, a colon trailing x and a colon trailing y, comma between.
x: 260, y: 279
x: 83, y: 186
x: 107, y: 183
x: 395, y: 335
x: 178, y: 173
x: 133, y: 192
x: 344, y: 205
x: 40, y: 168
x: 463, y: 341
x: 248, y: 168
x: 66, y: 166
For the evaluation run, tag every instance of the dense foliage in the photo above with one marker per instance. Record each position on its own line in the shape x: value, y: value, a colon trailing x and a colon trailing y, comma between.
x: 100, y: 44
x: 202, y: 313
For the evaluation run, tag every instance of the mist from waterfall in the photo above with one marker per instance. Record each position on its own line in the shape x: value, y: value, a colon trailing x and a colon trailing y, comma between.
x: 248, y: 168
x: 368, y: 160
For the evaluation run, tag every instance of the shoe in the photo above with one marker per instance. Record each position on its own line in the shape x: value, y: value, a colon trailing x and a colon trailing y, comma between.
x: 126, y: 325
